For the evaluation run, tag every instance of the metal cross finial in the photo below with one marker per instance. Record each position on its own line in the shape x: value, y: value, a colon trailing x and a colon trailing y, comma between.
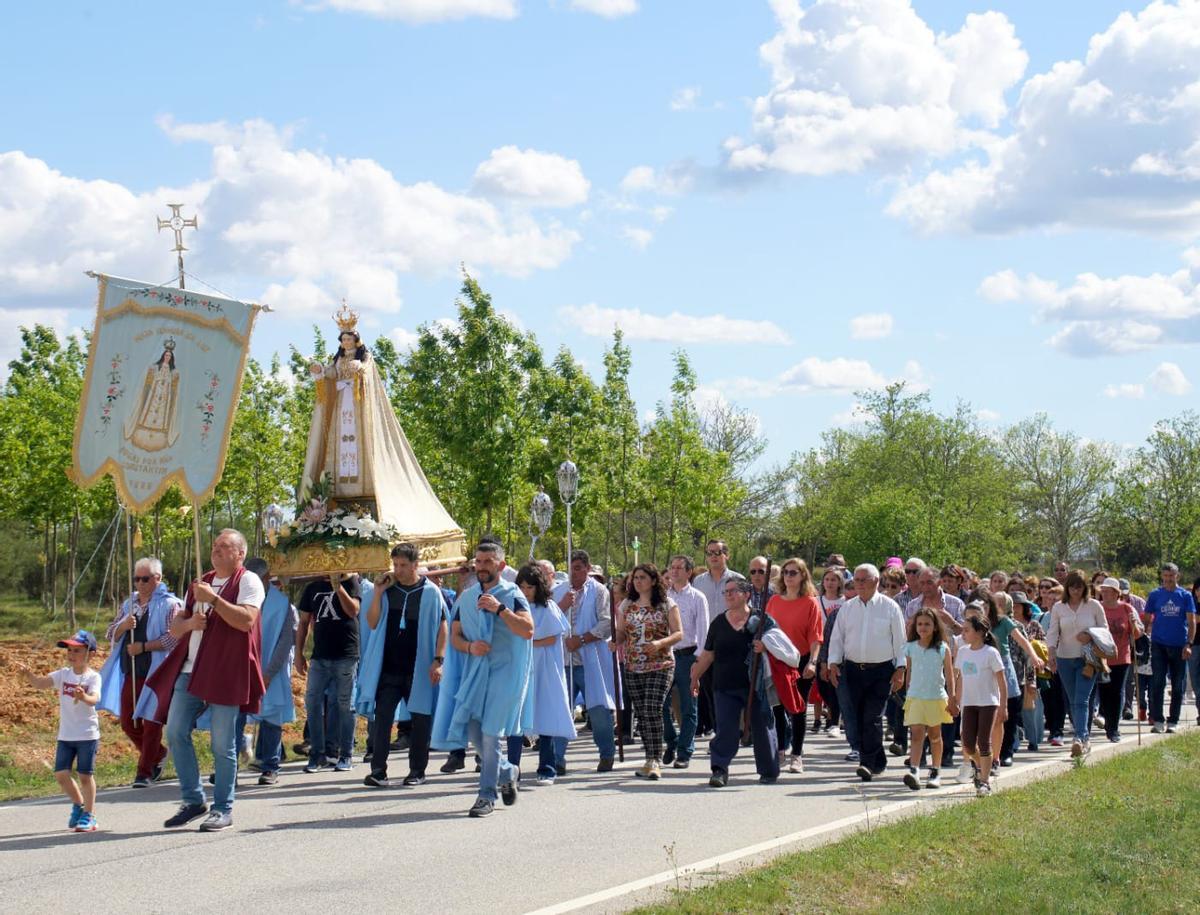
x: 177, y: 224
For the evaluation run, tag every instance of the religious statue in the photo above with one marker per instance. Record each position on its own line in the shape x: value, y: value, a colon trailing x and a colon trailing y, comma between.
x: 359, y: 458
x: 153, y: 424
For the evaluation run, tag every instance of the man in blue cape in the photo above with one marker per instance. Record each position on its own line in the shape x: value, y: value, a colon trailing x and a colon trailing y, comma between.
x: 402, y: 663
x: 586, y: 604
x: 141, y: 641
x: 279, y: 621
x: 486, y: 676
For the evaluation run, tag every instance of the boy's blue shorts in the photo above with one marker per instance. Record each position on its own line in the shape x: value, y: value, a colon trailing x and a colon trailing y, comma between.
x: 80, y: 752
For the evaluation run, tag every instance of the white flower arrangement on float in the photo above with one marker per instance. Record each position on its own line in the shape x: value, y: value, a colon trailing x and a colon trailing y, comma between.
x: 317, y: 523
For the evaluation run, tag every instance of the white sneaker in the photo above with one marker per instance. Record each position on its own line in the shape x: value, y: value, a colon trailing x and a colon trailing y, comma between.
x: 983, y: 789
x: 1159, y: 728
x: 795, y: 764
x: 834, y: 731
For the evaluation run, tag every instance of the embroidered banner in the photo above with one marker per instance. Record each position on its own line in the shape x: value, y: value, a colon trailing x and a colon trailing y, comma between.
x: 163, y: 375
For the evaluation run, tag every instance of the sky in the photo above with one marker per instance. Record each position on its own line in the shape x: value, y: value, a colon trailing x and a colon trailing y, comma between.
x: 997, y: 203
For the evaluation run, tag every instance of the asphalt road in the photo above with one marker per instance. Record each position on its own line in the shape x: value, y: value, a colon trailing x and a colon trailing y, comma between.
x: 327, y: 842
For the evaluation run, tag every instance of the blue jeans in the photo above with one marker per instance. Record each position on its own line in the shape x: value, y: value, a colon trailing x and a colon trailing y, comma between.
x: 268, y: 748
x: 1194, y: 674
x: 1079, y: 694
x: 601, y: 719
x: 494, y: 769
x: 181, y: 721
x: 322, y: 672
x: 546, y: 756
x: 1167, y: 661
x: 849, y: 715
x: 683, y: 742
x: 1034, y: 720
x: 728, y: 737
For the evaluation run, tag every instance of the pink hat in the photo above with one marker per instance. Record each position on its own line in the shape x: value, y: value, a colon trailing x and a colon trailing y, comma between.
x: 893, y: 561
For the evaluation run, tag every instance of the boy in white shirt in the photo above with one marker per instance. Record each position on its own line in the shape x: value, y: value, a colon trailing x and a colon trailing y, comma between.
x: 78, y: 688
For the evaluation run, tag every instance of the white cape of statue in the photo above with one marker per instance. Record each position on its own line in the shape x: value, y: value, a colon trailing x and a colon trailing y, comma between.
x: 356, y: 439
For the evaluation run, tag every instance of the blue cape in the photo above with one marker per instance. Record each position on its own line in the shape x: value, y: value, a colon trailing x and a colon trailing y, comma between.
x: 423, y: 696
x: 597, y: 659
x: 113, y: 678
x: 278, y: 707
x: 489, y: 689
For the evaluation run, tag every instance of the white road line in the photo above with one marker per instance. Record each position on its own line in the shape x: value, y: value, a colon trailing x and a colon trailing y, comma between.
x: 1020, y: 777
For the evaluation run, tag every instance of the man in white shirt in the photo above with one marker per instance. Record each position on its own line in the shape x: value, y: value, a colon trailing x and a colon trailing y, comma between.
x: 693, y: 613
x: 867, y: 648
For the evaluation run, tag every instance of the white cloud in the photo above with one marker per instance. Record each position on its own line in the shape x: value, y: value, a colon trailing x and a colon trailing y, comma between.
x: 1125, y: 391
x: 269, y: 214
x: 420, y: 10
x: 12, y: 319
x: 1169, y: 379
x: 984, y: 415
x: 1112, y: 140
x: 815, y: 375
x: 404, y: 338
x: 609, y: 9
x: 675, y: 327
x: 670, y: 181
x: 851, y: 418
x: 866, y: 83
x: 1109, y: 314
x: 638, y: 237
x: 686, y: 99
x: 871, y: 326
x: 533, y: 177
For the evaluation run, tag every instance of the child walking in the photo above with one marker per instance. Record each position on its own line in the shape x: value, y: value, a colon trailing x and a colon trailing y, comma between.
x: 983, y: 694
x: 78, y: 688
x: 928, y: 705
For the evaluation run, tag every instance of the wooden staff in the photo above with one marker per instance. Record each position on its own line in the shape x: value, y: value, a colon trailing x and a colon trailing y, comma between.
x: 133, y: 609
x: 617, y: 688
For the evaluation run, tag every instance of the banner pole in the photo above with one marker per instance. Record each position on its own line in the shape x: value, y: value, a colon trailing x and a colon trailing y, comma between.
x: 133, y: 692
x: 196, y: 539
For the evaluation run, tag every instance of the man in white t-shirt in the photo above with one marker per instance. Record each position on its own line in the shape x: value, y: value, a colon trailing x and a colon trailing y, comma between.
x: 216, y: 667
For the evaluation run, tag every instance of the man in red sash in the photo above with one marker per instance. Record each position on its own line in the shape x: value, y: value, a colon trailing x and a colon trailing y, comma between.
x: 215, y: 668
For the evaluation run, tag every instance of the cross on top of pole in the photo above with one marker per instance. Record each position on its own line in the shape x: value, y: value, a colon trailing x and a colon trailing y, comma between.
x: 177, y: 224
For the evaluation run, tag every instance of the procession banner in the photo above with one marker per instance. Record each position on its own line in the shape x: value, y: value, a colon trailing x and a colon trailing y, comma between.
x: 163, y: 374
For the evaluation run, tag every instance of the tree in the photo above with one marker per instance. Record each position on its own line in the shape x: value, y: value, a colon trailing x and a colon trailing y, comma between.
x: 1059, y: 480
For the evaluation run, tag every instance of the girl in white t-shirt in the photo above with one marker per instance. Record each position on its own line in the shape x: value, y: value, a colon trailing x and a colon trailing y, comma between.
x: 982, y: 693
x: 78, y: 688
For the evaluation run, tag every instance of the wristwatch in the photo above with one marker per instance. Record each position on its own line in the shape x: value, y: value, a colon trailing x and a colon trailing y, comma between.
x: 439, y: 659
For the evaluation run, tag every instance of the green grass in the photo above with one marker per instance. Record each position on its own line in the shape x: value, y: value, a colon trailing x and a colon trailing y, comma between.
x: 1116, y: 836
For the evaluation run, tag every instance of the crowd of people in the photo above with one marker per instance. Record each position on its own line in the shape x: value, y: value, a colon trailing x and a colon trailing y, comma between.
x: 911, y: 662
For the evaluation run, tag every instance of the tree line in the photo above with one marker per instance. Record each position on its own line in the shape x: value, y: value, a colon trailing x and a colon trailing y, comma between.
x: 491, y: 415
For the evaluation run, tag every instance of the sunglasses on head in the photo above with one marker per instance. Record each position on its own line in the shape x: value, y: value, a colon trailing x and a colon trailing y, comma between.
x: 141, y: 578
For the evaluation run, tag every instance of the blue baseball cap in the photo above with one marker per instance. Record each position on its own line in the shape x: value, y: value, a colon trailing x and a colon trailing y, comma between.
x: 81, y: 639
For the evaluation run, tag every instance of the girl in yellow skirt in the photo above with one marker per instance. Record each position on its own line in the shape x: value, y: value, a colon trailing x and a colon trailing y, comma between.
x: 929, y: 677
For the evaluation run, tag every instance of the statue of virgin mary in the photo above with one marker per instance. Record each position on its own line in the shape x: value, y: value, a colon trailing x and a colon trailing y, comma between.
x: 356, y: 440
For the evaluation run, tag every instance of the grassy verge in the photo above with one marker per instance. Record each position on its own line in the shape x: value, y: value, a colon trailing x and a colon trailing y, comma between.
x: 1117, y: 836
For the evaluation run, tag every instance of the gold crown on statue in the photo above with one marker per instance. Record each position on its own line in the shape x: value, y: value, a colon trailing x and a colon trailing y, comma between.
x: 169, y: 344
x: 346, y: 319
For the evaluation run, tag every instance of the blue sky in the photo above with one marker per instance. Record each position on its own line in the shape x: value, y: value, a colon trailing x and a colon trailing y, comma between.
x: 1004, y: 196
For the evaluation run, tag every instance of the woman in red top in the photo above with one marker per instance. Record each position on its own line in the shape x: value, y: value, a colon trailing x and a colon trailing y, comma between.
x: 798, y: 614
x: 1125, y: 626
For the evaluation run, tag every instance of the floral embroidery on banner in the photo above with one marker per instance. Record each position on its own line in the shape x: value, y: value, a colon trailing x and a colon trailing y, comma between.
x: 207, y: 404
x: 114, y: 390
x: 182, y: 299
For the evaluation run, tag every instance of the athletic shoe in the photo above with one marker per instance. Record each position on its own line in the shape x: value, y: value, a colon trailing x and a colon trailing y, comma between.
x: 157, y: 774
x: 268, y: 778
x: 76, y: 813
x: 481, y: 808
x: 1159, y: 728
x: 343, y: 765
x: 852, y: 756
x: 795, y: 763
x: 544, y: 780
x: 412, y: 780
x: 668, y: 756
x: 643, y: 771
x: 1006, y: 761
x: 376, y: 781
x: 910, y: 779
x: 453, y: 764
x: 1114, y: 738
x: 312, y: 767
x: 140, y: 782
x: 1171, y: 726
x: 216, y: 821
x: 864, y: 773
x: 185, y: 814
x: 983, y: 789
x: 1056, y: 742
x: 934, y: 780
x: 1098, y: 721
x: 718, y: 779
x: 895, y: 749
x: 509, y: 791
x: 834, y: 731
x: 605, y: 765
x: 681, y: 763
x: 1076, y: 749
x: 87, y: 822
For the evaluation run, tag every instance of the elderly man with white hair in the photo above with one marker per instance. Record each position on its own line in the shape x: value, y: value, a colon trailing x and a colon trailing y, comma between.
x: 141, y: 640
x: 867, y: 648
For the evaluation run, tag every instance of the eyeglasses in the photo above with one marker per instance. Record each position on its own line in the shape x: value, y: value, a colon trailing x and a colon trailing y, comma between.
x: 714, y: 552
x: 141, y: 578
x: 912, y: 571
x: 791, y: 573
x: 758, y: 571
x: 729, y: 592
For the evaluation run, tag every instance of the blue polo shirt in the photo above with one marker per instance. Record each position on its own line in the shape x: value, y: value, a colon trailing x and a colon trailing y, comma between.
x: 1169, y: 610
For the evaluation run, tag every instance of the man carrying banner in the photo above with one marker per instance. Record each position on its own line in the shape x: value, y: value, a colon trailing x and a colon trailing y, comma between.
x: 215, y: 667
x: 141, y: 640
